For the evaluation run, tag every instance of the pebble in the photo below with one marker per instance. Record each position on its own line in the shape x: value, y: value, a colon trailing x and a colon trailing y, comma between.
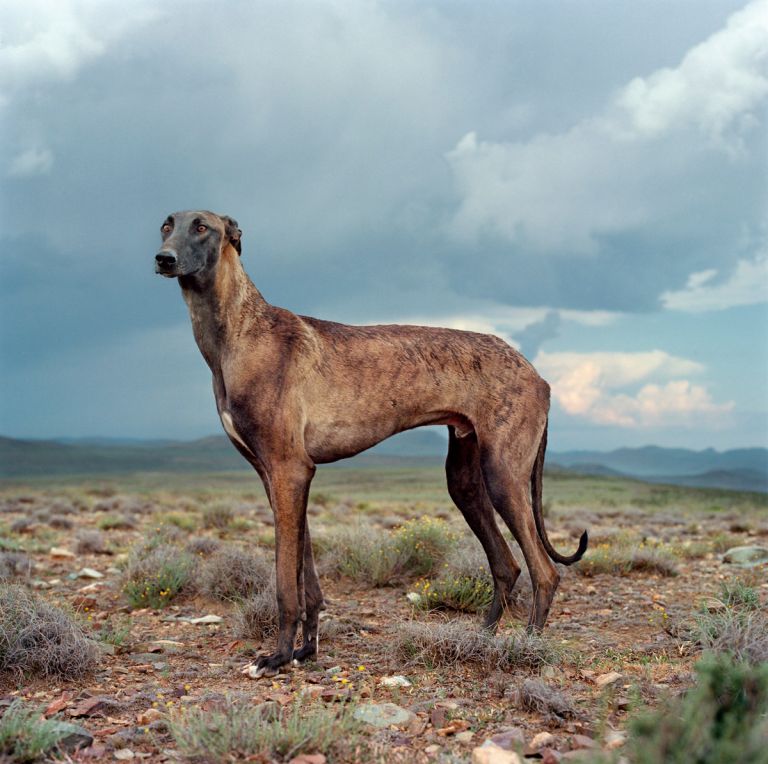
x: 605, y: 679
x: 394, y: 681
x: 124, y: 754
x: 204, y: 619
x: 746, y: 556
x: 464, y: 737
x: 58, y: 552
x: 541, y: 740
x: 90, y: 573
x: 383, y: 715
x: 488, y: 753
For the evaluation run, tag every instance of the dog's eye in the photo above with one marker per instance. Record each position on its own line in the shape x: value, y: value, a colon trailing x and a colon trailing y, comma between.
x: 202, y: 228
x: 166, y: 228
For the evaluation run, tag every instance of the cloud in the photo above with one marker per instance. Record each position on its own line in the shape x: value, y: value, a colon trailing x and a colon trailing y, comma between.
x: 34, y: 161
x: 746, y: 285
x: 50, y: 40
x: 631, y: 165
x: 588, y: 385
x: 532, y: 336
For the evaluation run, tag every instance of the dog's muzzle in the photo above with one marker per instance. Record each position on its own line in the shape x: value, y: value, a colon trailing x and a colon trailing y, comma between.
x: 165, y: 262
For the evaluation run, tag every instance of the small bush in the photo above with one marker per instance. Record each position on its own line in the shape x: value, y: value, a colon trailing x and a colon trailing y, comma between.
x: 26, y: 736
x: 232, y: 574
x: 218, y: 514
x: 257, y: 617
x: 741, y: 633
x: 239, y: 730
x: 534, y: 695
x: 466, y: 594
x: 423, y: 545
x: 91, y: 542
x: 39, y: 638
x: 181, y: 520
x: 14, y: 565
x: 455, y: 642
x: 736, y: 593
x: 621, y: 560
x: 721, y: 719
x: 157, y: 573
x: 203, y: 546
x: 61, y: 522
x: 117, y: 523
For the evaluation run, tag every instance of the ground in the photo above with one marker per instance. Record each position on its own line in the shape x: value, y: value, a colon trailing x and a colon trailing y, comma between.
x: 617, y: 625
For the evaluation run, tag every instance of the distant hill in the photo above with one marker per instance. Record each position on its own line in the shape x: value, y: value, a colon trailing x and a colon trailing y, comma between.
x: 740, y: 469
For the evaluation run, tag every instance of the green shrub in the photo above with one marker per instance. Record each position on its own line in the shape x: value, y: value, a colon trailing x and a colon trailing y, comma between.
x: 722, y: 719
x: 232, y: 574
x: 218, y: 514
x: 423, y: 545
x: 239, y: 730
x: 622, y: 559
x: 736, y: 593
x: 156, y: 574
x: 26, y: 736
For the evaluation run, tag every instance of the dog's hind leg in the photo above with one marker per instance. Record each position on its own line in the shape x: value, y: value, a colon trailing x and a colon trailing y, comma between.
x: 507, y: 476
x: 313, y: 603
x: 467, y: 489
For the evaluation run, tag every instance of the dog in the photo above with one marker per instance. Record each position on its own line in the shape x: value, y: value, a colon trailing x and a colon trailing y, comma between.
x: 293, y: 392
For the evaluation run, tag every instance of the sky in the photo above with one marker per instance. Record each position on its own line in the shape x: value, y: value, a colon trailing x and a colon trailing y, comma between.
x: 586, y: 180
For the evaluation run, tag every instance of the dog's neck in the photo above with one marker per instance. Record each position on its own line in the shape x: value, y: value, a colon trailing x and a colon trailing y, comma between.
x: 220, y: 303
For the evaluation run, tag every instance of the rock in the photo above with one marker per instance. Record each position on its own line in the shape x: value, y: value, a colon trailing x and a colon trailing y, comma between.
x: 414, y: 598
x: 394, y: 681
x: 464, y: 737
x: 96, y: 706
x: 541, y: 740
x: 605, y: 679
x: 614, y: 739
x: 432, y: 749
x: 90, y: 573
x: 308, y: 758
x: 509, y: 738
x: 148, y: 716
x: 383, y: 715
x: 204, y: 619
x: 746, y: 556
x: 124, y: 754
x: 62, y: 554
x: 488, y: 753
x: 72, y: 737
x: 550, y: 756
x: 582, y: 742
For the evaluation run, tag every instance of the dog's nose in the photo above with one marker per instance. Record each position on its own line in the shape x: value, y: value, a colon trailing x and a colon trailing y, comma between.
x: 165, y: 259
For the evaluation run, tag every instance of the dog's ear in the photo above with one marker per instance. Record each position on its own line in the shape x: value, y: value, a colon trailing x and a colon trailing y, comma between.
x: 233, y: 232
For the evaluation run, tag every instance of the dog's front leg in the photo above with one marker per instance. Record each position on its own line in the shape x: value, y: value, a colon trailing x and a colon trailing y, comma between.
x: 288, y: 491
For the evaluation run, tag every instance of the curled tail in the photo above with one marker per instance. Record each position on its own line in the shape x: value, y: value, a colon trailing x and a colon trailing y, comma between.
x: 536, y: 487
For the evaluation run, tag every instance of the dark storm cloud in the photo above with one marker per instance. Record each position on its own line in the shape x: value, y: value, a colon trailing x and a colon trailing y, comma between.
x: 326, y: 130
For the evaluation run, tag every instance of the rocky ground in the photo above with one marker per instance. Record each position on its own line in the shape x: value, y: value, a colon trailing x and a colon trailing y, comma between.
x: 618, y: 635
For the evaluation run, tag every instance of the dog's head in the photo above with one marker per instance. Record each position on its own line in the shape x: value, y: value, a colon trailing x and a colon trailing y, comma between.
x: 194, y: 241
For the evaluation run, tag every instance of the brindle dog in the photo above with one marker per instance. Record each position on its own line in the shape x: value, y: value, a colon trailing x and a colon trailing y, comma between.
x: 293, y: 392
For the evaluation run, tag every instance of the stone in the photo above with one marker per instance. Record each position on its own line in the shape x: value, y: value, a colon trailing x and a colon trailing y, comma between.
x: 62, y: 554
x: 488, y: 753
x: 541, y: 740
x: 124, y: 754
x: 205, y: 619
x: 383, y: 715
x: 605, y: 679
x: 509, y: 738
x: 582, y: 742
x: 550, y: 756
x: 430, y: 750
x: 614, y: 739
x: 147, y: 717
x: 308, y: 758
x: 394, y: 681
x: 464, y: 737
x: 746, y: 556
x: 90, y: 573
x: 72, y: 737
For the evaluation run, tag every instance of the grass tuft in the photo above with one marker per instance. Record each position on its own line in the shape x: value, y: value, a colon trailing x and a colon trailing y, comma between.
x: 455, y: 642
x: 232, y: 574
x: 622, y: 559
x: 91, y: 542
x: 239, y: 730
x: 40, y: 639
x: 14, y: 566
x: 534, y: 695
x: 26, y: 736
x: 257, y: 616
x: 156, y: 573
x: 218, y: 514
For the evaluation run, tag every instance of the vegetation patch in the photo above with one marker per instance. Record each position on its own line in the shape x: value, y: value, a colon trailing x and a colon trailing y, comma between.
x: 91, y: 542
x: 624, y: 559
x: 721, y: 719
x: 541, y: 698
x: 232, y: 574
x: 455, y: 642
x: 27, y: 736
x: 257, y: 617
x: 38, y: 638
x: 14, y: 566
x: 218, y: 514
x: 239, y: 730
x: 156, y: 573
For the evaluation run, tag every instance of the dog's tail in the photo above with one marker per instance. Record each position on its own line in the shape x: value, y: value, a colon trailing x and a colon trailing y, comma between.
x: 536, y: 489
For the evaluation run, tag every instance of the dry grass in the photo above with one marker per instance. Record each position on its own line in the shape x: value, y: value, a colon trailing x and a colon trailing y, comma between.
x: 218, y: 514
x: 203, y: 546
x: 534, y: 695
x: 454, y: 642
x: 239, y: 731
x: 156, y: 573
x: 257, y: 617
x: 14, y: 566
x: 91, y: 542
x: 40, y: 639
x: 740, y: 633
x: 623, y: 559
x: 232, y: 574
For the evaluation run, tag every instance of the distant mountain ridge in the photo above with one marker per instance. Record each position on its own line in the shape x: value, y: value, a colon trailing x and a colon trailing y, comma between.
x: 738, y: 469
